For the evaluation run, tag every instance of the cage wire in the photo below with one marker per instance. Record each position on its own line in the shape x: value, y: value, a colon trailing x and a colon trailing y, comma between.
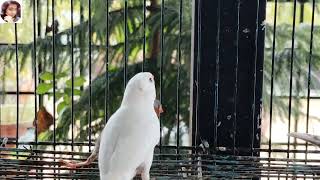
x: 190, y: 163
x: 170, y: 162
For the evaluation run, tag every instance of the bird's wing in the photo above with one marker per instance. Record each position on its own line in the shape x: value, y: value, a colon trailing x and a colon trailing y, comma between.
x: 127, y: 139
x: 307, y: 137
x: 109, y: 139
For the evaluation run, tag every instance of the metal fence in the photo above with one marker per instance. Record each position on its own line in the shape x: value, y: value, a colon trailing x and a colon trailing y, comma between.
x: 217, y: 66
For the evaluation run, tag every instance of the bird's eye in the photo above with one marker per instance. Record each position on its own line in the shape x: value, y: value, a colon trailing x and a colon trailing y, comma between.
x: 150, y: 79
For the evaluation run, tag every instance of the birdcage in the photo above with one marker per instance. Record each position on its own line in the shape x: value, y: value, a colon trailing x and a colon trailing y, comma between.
x: 234, y: 78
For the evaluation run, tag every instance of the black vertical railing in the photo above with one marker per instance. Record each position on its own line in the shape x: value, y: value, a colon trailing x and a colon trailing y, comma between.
x: 309, y: 72
x: 125, y: 53
x: 34, y: 59
x: 40, y: 64
x: 17, y: 82
x: 53, y: 72
x: 144, y: 34
x: 106, y: 95
x: 272, y: 76
x: 178, y: 77
x: 90, y: 74
x: 53, y: 26
x: 72, y: 75
x: 291, y: 72
x: 161, y: 64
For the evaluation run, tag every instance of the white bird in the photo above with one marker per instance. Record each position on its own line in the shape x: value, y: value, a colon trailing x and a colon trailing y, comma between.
x: 306, y: 137
x: 132, y: 132
x: 94, y: 155
x: 28, y: 137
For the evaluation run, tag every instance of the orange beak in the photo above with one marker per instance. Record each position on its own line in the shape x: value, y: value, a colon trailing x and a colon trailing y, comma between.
x: 159, y: 110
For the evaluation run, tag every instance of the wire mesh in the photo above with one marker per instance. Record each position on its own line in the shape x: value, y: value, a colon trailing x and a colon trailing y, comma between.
x: 167, y: 165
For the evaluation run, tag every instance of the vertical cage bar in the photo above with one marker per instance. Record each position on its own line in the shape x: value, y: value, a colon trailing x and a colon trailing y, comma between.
x: 125, y: 43
x: 34, y: 58
x: 272, y: 79
x: 17, y: 83
x: 255, y: 77
x: 301, y: 18
x: 2, y: 94
x: 39, y: 63
x: 54, y: 78
x: 235, y: 95
x: 198, y: 62
x: 1, y: 101
x: 54, y: 74
x: 34, y: 54
x: 216, y: 85
x: 178, y: 77
x: 81, y: 43
x: 39, y: 12
x: 161, y: 66
x: 272, y: 76
x: 72, y: 78
x: 291, y: 71
x: 309, y: 74
x: 144, y: 35
x: 90, y: 88
x: 39, y: 19
x: 106, y: 92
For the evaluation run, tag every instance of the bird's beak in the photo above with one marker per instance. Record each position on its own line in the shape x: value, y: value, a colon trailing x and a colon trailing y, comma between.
x: 158, y: 111
x: 161, y: 109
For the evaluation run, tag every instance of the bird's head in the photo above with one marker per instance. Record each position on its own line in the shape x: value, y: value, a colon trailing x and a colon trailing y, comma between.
x: 141, y: 87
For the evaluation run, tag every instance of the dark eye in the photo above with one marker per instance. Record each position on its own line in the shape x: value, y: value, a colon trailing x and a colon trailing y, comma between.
x: 150, y: 79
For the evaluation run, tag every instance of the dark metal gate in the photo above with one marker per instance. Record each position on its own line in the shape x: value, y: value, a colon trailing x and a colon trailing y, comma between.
x: 228, y: 71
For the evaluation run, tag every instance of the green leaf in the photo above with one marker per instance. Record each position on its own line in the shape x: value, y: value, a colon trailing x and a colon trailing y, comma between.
x: 67, y: 91
x: 61, y: 106
x: 59, y: 95
x: 78, y: 81
x: 61, y: 75
x: 46, y: 76
x: 76, y: 92
x: 66, y: 99
x: 44, y: 88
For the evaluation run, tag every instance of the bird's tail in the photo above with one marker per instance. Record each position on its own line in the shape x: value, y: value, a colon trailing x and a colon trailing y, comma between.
x: 90, y: 159
x: 307, y: 137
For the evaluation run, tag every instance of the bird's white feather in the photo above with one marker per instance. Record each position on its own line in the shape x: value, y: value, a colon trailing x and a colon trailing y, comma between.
x: 306, y: 137
x: 28, y: 137
x: 132, y: 132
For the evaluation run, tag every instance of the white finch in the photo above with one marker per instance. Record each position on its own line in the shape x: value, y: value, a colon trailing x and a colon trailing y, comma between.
x: 132, y: 132
x: 307, y: 137
x: 94, y: 155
